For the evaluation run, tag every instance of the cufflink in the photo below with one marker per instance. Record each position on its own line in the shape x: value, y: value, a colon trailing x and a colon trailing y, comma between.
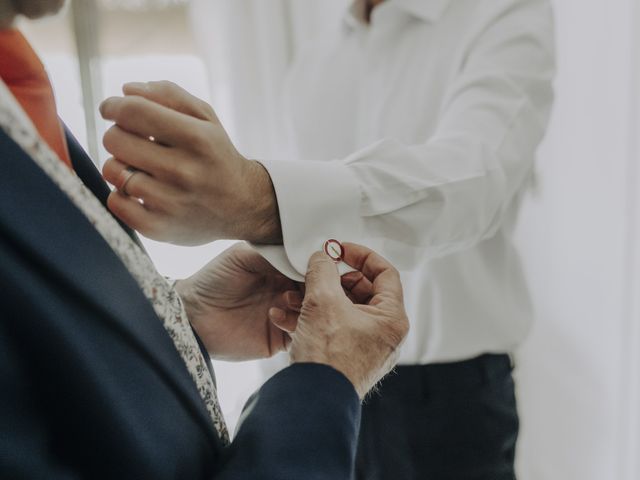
x: 334, y: 249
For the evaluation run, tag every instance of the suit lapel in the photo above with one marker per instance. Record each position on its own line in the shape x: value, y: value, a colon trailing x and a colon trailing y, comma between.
x: 92, y: 179
x: 42, y: 221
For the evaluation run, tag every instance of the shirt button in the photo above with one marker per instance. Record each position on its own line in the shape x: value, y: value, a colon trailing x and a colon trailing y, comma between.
x: 334, y: 249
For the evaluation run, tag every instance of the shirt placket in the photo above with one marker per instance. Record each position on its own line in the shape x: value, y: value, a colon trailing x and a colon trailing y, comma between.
x: 373, y: 74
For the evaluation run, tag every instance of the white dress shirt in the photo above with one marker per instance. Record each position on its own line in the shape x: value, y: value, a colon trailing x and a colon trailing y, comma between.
x: 415, y: 135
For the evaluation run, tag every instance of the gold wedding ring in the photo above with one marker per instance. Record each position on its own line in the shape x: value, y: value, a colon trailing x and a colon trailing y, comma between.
x: 129, y: 172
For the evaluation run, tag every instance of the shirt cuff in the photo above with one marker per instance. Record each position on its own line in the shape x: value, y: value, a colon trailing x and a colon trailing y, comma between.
x: 317, y: 201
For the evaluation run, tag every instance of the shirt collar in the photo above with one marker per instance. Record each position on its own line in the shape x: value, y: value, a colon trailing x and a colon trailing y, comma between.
x: 425, y: 10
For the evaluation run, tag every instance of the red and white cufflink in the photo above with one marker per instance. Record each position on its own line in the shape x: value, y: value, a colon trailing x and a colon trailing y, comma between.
x: 334, y: 249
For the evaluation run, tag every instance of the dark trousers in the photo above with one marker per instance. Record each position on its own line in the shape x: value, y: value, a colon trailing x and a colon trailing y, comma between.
x: 452, y: 421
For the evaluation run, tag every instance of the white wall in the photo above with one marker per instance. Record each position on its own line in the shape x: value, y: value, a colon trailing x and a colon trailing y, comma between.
x: 577, y: 237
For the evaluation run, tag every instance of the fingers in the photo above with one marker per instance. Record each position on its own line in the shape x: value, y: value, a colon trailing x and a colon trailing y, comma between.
x: 293, y: 300
x: 279, y: 339
x: 155, y: 195
x: 322, y: 276
x: 115, y: 172
x: 140, y: 153
x: 285, y: 320
x: 134, y: 214
x: 364, y: 260
x: 172, y: 96
x: 148, y: 119
x: 359, y: 287
x: 383, y: 276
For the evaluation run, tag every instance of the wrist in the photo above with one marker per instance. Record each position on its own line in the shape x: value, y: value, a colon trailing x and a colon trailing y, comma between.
x: 357, y: 383
x: 262, y: 224
x: 338, y: 362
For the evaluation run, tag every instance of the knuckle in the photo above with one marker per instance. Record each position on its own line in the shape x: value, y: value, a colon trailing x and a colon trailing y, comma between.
x: 150, y: 200
x: 404, y: 326
x: 200, y: 138
x: 172, y: 169
x: 399, y: 329
x: 393, y: 330
x: 319, y: 265
x: 320, y: 297
x: 148, y: 229
x: 188, y: 175
x: 164, y: 86
x: 396, y: 273
x: 395, y: 277
x: 311, y: 301
x: 208, y: 110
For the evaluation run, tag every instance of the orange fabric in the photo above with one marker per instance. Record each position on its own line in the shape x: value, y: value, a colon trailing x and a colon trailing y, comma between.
x: 23, y: 72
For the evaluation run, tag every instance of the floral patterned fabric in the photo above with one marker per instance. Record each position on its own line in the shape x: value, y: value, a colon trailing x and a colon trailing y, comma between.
x: 165, y: 300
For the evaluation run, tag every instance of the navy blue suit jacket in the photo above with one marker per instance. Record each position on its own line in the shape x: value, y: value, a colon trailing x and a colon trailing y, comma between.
x: 91, y: 385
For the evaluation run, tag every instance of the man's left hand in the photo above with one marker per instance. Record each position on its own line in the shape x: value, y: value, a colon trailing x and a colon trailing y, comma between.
x: 228, y: 304
x: 191, y: 186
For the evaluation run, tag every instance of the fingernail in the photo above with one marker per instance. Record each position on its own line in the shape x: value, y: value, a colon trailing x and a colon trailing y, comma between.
x: 102, y: 108
x: 106, y: 107
x: 276, y: 314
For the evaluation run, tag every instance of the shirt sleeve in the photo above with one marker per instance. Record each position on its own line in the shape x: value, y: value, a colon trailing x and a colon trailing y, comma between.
x: 450, y: 192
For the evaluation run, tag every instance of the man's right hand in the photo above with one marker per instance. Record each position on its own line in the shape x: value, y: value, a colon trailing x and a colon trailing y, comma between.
x: 355, y: 325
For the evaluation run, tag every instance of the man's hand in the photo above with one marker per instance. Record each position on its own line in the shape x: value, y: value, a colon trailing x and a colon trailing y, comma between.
x: 228, y: 302
x: 191, y: 185
x: 355, y: 324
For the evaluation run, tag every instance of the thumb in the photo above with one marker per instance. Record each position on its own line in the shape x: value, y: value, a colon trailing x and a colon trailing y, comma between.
x: 172, y: 96
x: 322, y: 275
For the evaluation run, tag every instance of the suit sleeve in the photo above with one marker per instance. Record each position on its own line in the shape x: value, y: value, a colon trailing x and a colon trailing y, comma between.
x: 302, y: 423
x: 24, y: 441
